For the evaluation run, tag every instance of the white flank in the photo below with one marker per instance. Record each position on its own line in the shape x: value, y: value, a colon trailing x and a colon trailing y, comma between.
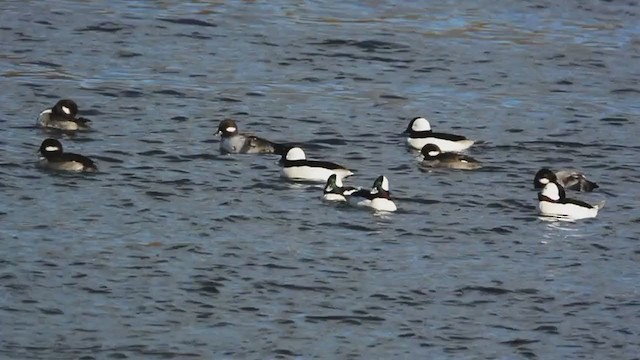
x: 61, y: 166
x: 315, y: 174
x: 382, y: 204
x: 333, y: 197
x: 72, y: 166
x: 232, y: 144
x: 444, y: 145
x: 378, y: 204
x: 571, y: 211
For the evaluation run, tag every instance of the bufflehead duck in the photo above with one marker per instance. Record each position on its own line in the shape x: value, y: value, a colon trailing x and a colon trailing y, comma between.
x: 334, y: 191
x: 378, y: 198
x: 420, y: 134
x: 434, y: 157
x: 295, y: 166
x: 62, y: 116
x: 553, y: 201
x: 54, y: 158
x: 233, y: 142
x: 569, y: 179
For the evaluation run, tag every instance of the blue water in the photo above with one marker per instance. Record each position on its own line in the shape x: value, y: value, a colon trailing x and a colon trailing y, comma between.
x: 175, y: 251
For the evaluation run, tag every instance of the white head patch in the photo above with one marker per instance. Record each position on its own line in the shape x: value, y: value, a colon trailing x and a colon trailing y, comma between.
x: 385, y: 183
x: 295, y: 154
x: 338, y: 182
x: 421, y: 124
x: 51, y: 148
x: 66, y: 110
x: 543, y: 180
x: 551, y: 191
x: 434, y: 153
x: 230, y: 129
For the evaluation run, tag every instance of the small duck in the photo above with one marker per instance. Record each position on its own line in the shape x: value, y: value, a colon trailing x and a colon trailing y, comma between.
x: 434, y: 157
x: 54, y: 158
x: 296, y: 167
x: 553, y: 201
x: 569, y: 179
x: 420, y: 134
x: 378, y: 198
x: 233, y: 142
x: 335, y: 191
x: 62, y: 116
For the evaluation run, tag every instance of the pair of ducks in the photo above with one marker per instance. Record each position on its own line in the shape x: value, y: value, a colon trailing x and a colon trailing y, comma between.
x: 63, y: 116
x: 552, y: 199
x: 439, y: 150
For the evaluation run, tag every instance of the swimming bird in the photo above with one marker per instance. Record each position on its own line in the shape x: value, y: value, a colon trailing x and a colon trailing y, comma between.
x: 569, y: 179
x: 335, y: 191
x: 552, y: 201
x: 378, y: 198
x: 62, y: 116
x: 54, y: 158
x: 434, y: 157
x: 233, y: 142
x: 296, y: 167
x: 420, y: 134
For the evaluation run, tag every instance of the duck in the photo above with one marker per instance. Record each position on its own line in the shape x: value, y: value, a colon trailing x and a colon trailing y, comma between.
x: 378, y: 198
x: 54, y: 158
x: 569, y: 179
x: 296, y: 167
x: 335, y: 191
x: 63, y: 116
x: 233, y: 142
x: 552, y: 201
x: 420, y: 134
x: 434, y: 157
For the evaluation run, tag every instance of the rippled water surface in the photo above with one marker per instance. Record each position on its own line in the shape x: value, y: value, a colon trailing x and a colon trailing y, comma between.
x: 174, y: 251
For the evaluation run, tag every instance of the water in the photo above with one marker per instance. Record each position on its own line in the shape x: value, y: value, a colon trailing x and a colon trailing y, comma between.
x: 173, y: 251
